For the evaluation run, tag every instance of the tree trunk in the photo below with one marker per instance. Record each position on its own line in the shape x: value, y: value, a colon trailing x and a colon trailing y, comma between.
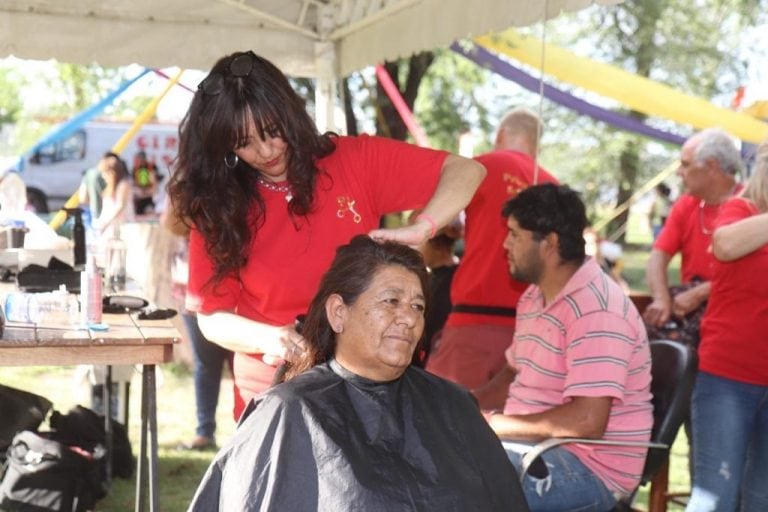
x: 349, y: 113
x: 629, y: 161
x: 629, y: 166
x: 388, y: 121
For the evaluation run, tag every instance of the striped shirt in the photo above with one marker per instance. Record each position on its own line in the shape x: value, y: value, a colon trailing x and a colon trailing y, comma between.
x: 589, y: 341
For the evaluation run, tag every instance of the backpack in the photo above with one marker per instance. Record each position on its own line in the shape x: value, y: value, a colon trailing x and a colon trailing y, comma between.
x: 21, y: 411
x: 44, y: 475
x: 84, y: 428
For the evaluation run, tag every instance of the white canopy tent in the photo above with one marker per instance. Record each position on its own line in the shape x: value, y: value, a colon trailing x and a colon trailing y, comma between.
x: 325, y: 39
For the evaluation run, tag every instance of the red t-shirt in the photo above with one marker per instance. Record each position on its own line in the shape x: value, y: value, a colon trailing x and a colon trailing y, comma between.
x: 688, y: 230
x: 482, y: 278
x: 733, y: 331
x: 363, y: 179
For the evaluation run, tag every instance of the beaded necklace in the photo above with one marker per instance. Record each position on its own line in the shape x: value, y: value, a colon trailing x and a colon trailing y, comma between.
x: 283, y: 187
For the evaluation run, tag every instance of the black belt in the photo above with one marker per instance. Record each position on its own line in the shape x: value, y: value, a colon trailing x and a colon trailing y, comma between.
x: 484, y: 310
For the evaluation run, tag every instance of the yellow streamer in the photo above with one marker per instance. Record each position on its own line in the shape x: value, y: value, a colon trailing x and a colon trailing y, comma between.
x: 638, y: 193
x: 61, y: 216
x: 638, y: 93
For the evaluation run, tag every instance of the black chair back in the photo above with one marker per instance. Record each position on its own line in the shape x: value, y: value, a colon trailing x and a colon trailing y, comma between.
x: 673, y: 372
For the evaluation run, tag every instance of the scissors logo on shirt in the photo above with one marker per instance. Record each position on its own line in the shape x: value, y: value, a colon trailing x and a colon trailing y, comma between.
x: 347, y: 204
x: 514, y: 184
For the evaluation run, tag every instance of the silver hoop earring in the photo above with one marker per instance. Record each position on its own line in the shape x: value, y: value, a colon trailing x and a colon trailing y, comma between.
x: 231, y: 160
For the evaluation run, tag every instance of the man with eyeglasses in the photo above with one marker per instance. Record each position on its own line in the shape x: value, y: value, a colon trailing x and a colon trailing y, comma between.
x: 709, y: 163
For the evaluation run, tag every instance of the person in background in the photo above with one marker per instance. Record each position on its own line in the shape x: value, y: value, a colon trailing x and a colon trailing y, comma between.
x: 662, y: 203
x: 116, y: 198
x: 579, y: 364
x: 357, y: 427
x: 144, y: 184
x: 608, y: 255
x: 92, y: 186
x: 269, y: 199
x: 709, y: 164
x: 439, y: 254
x: 470, y: 348
x: 209, y: 358
x: 730, y: 398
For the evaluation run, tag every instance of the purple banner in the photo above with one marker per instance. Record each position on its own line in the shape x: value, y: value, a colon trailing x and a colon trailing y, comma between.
x: 486, y: 59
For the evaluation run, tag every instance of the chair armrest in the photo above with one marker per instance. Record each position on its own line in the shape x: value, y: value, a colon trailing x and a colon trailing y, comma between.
x: 535, y: 452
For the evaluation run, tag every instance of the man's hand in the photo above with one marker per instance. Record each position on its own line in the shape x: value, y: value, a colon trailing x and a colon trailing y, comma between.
x: 493, y: 394
x: 689, y: 300
x: 658, y: 312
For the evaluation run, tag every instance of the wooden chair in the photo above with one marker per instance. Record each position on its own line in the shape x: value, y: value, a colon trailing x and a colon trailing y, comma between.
x: 673, y: 370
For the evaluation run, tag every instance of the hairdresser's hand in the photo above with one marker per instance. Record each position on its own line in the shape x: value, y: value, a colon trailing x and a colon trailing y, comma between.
x: 287, y: 345
x: 413, y: 235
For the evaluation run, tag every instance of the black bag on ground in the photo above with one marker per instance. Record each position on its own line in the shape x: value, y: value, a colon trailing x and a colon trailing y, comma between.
x: 19, y: 410
x: 83, y: 427
x: 44, y: 475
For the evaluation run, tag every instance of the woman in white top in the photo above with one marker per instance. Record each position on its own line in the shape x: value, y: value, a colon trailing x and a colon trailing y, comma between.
x: 117, y: 198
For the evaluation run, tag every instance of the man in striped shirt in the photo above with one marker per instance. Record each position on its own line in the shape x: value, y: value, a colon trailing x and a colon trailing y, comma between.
x: 579, y: 365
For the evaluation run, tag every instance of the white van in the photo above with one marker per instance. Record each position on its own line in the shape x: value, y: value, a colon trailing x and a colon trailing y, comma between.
x: 53, y: 173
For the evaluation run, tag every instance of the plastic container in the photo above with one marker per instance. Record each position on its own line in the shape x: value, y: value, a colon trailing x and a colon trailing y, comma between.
x: 90, y: 293
x: 50, y: 308
x: 115, y: 262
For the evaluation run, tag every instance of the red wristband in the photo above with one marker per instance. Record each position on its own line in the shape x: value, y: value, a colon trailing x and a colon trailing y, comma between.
x: 432, y: 223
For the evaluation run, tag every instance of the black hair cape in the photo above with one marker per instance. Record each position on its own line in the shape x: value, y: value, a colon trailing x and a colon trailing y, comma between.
x: 330, y: 440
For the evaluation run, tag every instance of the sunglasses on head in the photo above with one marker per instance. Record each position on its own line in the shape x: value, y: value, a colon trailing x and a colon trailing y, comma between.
x: 239, y: 67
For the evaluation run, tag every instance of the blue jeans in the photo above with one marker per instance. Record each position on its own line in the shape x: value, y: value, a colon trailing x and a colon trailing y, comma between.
x: 209, y: 363
x: 569, y: 487
x: 730, y: 443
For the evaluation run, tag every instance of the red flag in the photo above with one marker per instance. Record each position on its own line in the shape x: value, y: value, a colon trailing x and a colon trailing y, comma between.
x: 736, y: 101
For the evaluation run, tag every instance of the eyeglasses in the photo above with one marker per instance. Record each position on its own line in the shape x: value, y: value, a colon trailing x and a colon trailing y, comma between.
x: 239, y: 67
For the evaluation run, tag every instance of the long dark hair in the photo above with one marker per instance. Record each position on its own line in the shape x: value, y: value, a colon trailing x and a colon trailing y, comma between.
x: 224, y: 204
x: 350, y: 274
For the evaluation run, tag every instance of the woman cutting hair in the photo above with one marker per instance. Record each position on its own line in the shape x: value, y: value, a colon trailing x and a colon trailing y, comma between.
x: 359, y: 428
x: 269, y: 199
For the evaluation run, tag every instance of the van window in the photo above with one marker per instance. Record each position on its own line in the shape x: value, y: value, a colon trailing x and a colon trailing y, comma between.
x: 71, y: 148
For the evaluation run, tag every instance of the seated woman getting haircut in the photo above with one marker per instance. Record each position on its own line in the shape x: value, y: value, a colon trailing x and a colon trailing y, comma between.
x: 356, y: 427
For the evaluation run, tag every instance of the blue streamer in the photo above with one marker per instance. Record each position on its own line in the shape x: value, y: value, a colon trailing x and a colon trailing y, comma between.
x: 69, y: 127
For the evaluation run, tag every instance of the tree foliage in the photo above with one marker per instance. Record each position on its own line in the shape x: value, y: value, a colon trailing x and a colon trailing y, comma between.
x: 449, y: 101
x: 692, y: 46
x: 82, y: 86
x: 10, y: 98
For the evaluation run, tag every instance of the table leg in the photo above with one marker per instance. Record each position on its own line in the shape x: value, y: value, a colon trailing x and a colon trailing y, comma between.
x: 154, y: 490
x: 141, y: 466
x: 147, y: 474
x: 108, y: 437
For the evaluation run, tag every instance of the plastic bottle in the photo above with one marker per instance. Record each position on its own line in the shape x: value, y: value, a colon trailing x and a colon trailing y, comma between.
x: 90, y: 293
x: 115, y: 261
x: 51, y: 308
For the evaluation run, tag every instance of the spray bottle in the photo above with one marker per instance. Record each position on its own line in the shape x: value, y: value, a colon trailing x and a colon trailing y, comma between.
x: 90, y: 293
